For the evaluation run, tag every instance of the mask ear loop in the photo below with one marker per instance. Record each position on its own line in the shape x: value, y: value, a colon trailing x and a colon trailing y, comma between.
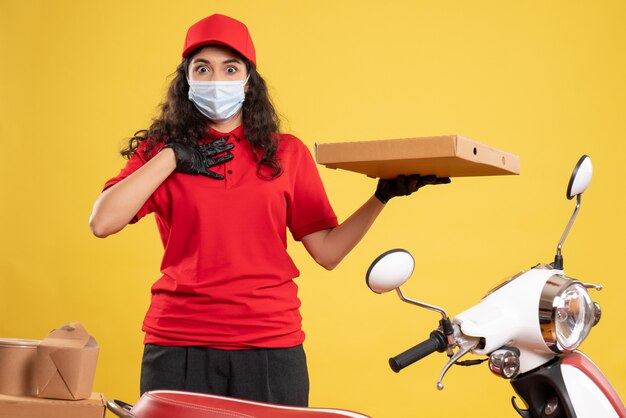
x: 185, y: 67
x: 244, y: 86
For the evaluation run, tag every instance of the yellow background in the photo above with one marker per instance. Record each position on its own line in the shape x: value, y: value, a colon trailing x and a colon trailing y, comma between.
x: 541, y: 79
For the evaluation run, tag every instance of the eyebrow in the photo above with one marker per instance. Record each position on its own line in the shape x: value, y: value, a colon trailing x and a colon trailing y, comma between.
x: 228, y: 61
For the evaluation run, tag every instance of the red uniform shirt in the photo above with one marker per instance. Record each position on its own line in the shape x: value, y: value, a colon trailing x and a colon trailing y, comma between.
x: 227, y: 278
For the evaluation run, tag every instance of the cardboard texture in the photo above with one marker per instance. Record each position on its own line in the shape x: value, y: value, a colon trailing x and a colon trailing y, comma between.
x: 17, y: 366
x: 29, y: 407
x: 443, y: 156
x: 66, y: 363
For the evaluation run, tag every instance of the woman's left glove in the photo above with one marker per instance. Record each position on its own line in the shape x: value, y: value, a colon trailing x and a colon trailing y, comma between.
x: 405, y: 185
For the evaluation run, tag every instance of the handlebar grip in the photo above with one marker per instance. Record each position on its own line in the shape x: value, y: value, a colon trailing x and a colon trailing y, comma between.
x: 436, y: 342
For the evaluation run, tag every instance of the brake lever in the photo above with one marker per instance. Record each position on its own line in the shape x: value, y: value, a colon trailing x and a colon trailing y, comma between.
x: 464, y: 347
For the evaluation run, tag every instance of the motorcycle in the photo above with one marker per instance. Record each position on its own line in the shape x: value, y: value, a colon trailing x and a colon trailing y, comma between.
x: 529, y: 327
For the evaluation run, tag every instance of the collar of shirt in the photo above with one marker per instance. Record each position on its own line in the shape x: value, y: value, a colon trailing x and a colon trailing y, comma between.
x: 236, y: 133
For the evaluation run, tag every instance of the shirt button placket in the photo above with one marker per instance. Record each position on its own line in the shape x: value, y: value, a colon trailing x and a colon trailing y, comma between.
x: 227, y: 170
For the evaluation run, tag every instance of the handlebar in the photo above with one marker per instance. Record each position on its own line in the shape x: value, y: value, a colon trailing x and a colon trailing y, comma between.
x: 436, y: 342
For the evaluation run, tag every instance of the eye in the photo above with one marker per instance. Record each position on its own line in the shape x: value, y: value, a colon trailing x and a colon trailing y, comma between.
x: 231, y: 70
x: 202, y: 69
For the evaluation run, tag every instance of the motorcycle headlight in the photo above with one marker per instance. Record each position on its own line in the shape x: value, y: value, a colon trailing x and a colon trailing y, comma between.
x: 566, y: 313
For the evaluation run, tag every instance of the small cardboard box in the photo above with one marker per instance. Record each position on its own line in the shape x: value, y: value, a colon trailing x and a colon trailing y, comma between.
x: 17, y: 366
x: 66, y: 363
x: 443, y: 156
x: 29, y: 407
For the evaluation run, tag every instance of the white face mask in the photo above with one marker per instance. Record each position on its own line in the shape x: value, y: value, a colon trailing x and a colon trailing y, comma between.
x: 218, y: 100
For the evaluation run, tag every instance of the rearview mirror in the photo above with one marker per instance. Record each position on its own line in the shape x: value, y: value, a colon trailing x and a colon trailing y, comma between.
x: 578, y: 183
x: 390, y: 270
x: 581, y: 177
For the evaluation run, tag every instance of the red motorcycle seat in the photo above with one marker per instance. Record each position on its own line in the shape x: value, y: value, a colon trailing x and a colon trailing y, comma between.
x: 175, y: 404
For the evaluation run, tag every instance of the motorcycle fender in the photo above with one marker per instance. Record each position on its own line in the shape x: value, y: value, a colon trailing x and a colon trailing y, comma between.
x: 578, y: 395
x: 591, y: 392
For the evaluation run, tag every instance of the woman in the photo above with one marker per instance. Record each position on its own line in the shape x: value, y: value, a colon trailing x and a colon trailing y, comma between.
x: 225, y: 186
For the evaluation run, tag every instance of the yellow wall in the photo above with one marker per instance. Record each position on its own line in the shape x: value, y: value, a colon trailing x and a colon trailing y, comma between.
x: 544, y: 80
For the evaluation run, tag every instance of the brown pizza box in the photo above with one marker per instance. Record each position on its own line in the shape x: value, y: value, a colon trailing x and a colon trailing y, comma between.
x: 30, y: 407
x: 443, y: 156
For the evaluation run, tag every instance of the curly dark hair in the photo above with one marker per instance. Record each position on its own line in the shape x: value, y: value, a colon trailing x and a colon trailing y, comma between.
x: 180, y: 121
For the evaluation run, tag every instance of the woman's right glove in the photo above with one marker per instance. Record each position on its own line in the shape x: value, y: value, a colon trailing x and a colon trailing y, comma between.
x: 405, y: 185
x: 198, y: 159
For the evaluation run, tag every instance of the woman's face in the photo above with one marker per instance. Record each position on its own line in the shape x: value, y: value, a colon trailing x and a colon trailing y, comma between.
x: 217, y: 63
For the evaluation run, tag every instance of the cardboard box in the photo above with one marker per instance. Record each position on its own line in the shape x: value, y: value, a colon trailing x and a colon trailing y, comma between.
x: 443, y: 156
x: 29, y: 407
x: 66, y: 363
x: 17, y: 366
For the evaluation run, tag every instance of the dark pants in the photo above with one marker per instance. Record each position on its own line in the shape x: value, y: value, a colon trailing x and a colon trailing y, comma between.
x: 277, y: 376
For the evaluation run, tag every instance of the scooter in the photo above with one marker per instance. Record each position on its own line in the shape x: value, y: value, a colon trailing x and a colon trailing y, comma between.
x: 529, y: 327
x: 178, y: 404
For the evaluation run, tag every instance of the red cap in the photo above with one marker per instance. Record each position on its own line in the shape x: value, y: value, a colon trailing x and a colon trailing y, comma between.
x: 221, y: 30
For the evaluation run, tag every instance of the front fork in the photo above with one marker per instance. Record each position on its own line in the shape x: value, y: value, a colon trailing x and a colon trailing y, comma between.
x: 545, y: 393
